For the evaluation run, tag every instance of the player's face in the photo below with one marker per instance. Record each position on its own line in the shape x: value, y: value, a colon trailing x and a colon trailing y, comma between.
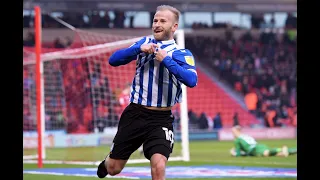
x: 164, y: 25
x: 235, y: 132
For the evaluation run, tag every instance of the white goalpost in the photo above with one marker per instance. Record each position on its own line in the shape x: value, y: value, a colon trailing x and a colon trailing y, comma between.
x: 71, y: 108
x: 184, y: 107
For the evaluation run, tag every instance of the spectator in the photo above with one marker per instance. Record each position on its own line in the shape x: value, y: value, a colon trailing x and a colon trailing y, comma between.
x: 203, y: 121
x: 193, y: 119
x: 30, y: 40
x: 284, y: 118
x: 235, y: 119
x: 58, y: 44
x: 251, y: 100
x: 217, y: 121
x: 124, y: 97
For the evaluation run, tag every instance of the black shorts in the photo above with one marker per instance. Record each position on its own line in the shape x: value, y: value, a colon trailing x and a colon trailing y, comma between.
x: 137, y: 126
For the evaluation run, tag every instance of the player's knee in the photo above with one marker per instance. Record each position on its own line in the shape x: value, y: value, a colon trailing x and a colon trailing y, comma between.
x: 158, y: 170
x: 158, y: 166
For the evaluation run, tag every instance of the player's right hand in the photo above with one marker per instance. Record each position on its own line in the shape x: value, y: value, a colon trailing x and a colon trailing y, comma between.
x: 148, y: 48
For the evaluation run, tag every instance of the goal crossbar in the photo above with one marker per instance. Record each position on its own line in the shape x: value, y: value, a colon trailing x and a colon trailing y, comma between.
x: 82, y: 52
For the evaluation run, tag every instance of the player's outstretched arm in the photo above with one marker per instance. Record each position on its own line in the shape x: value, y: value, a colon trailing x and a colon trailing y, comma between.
x: 125, y: 56
x: 237, y: 148
x: 181, y: 65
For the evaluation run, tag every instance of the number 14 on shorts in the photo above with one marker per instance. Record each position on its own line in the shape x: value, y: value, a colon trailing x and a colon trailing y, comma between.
x: 169, y: 135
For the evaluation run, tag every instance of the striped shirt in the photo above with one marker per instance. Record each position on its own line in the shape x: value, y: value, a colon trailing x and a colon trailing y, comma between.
x: 153, y: 84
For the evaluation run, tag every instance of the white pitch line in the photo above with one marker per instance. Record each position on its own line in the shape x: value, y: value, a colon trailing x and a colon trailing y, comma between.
x: 79, y: 175
x: 203, y: 161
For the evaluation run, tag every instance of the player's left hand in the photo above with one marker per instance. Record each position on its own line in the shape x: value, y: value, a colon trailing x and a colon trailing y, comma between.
x: 232, y: 152
x: 160, y: 54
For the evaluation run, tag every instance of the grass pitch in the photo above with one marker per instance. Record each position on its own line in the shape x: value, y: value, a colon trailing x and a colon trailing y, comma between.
x: 201, y: 153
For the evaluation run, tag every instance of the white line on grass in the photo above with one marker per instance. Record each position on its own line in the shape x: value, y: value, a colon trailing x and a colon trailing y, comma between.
x: 79, y: 175
x: 246, y: 162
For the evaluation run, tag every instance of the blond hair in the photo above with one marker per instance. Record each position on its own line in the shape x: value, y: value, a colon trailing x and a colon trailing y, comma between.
x: 237, y: 127
x: 174, y: 10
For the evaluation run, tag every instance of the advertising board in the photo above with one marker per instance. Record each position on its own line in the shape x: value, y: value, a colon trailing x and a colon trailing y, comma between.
x: 76, y: 140
x: 32, y: 141
x: 261, y: 133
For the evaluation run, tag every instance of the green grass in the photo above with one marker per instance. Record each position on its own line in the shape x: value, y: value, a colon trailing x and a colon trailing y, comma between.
x: 201, y: 153
x: 48, y: 177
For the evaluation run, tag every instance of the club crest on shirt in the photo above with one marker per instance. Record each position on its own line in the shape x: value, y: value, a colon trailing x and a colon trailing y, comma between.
x: 189, y: 60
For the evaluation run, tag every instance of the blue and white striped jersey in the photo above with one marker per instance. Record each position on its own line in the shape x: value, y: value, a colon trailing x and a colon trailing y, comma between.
x: 153, y: 84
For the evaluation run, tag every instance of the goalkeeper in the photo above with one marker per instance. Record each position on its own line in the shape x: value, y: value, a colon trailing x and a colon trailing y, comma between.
x: 247, y: 146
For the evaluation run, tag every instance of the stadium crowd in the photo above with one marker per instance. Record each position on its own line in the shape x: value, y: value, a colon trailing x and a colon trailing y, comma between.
x: 94, y: 20
x: 104, y: 20
x: 263, y: 69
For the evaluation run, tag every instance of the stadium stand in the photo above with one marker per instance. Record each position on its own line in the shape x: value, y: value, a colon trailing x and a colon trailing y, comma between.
x: 262, y: 69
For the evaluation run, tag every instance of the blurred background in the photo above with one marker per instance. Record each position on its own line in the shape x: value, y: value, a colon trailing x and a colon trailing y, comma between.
x: 245, y: 52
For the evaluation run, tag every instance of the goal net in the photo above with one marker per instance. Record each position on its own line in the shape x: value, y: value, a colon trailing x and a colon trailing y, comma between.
x: 83, y: 98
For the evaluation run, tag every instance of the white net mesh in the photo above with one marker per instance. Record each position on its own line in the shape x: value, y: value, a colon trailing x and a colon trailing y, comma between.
x: 84, y: 97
